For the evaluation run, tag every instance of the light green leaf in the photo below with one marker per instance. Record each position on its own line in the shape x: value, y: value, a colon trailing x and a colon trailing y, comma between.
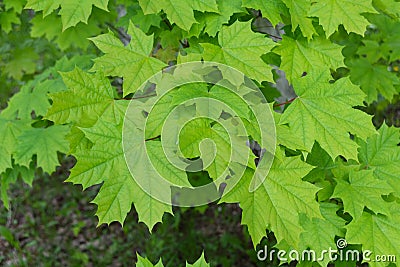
x: 17, y: 5
x: 72, y: 11
x: 143, y: 262
x: 214, y: 21
x: 243, y: 55
x: 105, y: 162
x: 10, y: 176
x: 132, y: 62
x: 271, y: 10
x: 89, y: 96
x: 299, y: 56
x: 179, y: 12
x: 382, y: 154
x: 373, y: 79
x: 10, y: 129
x: 332, y: 13
x: 299, y: 10
x: 323, y: 112
x: 319, y: 235
x: 44, y: 143
x: 276, y: 204
x: 377, y: 233
x: 201, y: 262
x: 113, y: 201
x: 362, y: 190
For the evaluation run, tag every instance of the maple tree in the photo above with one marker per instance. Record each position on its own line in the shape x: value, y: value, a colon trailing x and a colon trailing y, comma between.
x: 333, y: 173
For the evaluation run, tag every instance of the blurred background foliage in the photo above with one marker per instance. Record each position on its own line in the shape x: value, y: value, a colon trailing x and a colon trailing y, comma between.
x: 49, y: 224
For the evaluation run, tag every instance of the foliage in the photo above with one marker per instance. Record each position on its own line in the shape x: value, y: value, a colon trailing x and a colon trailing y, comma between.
x: 333, y: 172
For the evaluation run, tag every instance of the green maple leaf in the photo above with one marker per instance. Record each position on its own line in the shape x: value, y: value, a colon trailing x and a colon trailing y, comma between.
x: 377, y: 233
x: 135, y: 13
x: 299, y: 56
x: 44, y: 143
x: 201, y: 262
x: 89, y: 96
x: 132, y: 62
x: 277, y: 203
x: 381, y: 154
x: 245, y: 56
x: 271, y: 10
x: 112, y: 200
x: 323, y: 162
x: 10, y: 129
x: 7, y: 18
x: 143, y: 262
x: 179, y: 12
x: 105, y: 162
x: 33, y: 96
x: 72, y: 11
x: 10, y: 176
x: 285, y: 135
x: 299, y: 10
x: 323, y: 112
x: 391, y: 7
x: 51, y: 28
x: 373, y: 79
x: 23, y: 62
x: 197, y: 130
x: 213, y: 22
x: 17, y: 5
x: 319, y: 234
x: 348, y: 13
x: 362, y: 190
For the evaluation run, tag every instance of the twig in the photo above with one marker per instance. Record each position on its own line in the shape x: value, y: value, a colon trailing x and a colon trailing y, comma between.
x: 285, y: 103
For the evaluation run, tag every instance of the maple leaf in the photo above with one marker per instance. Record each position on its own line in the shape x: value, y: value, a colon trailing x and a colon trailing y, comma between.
x: 132, y: 62
x: 323, y: 112
x: 245, y: 56
x: 105, y: 162
x: 23, y: 62
x: 17, y: 5
x: 391, y: 7
x: 376, y: 233
x: 381, y: 154
x: 350, y: 14
x: 72, y: 11
x: 33, y: 96
x: 7, y: 18
x: 143, y: 262
x: 271, y: 10
x: 299, y: 56
x: 201, y: 262
x: 10, y: 129
x: 373, y: 79
x: 213, y: 22
x: 179, y: 12
x: 277, y: 203
x: 299, y: 10
x: 44, y: 143
x: 89, y: 96
x: 51, y: 28
x: 319, y: 233
x: 362, y: 190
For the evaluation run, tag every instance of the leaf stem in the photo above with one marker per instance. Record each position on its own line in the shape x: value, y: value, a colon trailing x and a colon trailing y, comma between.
x: 285, y: 103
